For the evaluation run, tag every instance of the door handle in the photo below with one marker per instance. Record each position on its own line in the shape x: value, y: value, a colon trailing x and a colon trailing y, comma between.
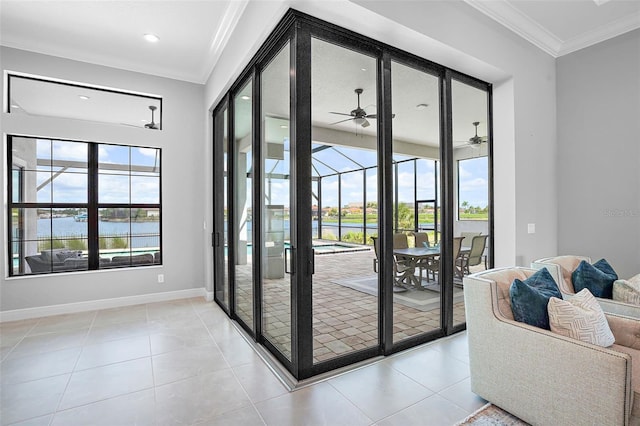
x: 312, y: 262
x: 289, y: 270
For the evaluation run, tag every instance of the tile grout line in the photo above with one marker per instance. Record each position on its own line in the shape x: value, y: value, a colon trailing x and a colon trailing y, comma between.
x: 230, y: 367
x: 66, y: 387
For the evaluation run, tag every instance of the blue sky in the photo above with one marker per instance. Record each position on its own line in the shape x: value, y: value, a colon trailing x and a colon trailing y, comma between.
x: 115, y: 186
x: 473, y: 178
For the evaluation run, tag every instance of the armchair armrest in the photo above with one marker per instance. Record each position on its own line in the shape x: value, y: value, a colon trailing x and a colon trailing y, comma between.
x: 539, y: 376
x: 625, y: 330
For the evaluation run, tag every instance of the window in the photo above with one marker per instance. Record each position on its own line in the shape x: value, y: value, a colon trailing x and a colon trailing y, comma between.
x: 473, y: 189
x: 40, y: 96
x: 82, y: 206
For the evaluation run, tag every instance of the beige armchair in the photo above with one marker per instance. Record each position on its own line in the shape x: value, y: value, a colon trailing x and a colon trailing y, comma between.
x: 542, y: 377
x: 561, y: 268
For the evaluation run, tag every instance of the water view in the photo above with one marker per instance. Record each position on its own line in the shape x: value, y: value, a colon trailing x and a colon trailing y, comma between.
x: 143, y: 234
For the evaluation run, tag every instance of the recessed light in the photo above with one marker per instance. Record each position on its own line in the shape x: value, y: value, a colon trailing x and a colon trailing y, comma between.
x: 245, y: 97
x: 15, y: 106
x: 422, y: 106
x: 151, y: 38
x: 284, y: 126
x: 83, y: 97
x: 363, y: 69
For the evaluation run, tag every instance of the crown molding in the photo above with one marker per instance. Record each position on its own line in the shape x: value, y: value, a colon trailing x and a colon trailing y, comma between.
x: 228, y: 24
x: 600, y: 34
x: 503, y: 12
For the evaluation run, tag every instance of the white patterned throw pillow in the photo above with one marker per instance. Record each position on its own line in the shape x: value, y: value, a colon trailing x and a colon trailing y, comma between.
x: 581, y: 318
x: 627, y: 291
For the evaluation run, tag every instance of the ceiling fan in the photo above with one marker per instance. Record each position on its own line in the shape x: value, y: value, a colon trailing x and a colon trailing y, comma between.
x: 477, y: 140
x: 152, y: 125
x: 358, y: 115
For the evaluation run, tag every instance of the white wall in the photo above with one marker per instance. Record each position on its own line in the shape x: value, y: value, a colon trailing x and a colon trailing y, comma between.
x: 599, y: 153
x: 456, y: 35
x: 183, y: 184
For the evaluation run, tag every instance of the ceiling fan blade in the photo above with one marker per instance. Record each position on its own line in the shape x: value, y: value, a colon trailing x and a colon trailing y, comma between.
x: 339, y: 113
x: 341, y: 121
x: 376, y: 116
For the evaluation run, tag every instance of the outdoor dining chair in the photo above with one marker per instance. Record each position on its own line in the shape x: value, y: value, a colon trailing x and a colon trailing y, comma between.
x: 401, y: 269
x: 433, y: 265
x: 474, y: 256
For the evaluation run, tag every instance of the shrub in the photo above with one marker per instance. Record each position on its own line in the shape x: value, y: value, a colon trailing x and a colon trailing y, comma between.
x: 76, y: 244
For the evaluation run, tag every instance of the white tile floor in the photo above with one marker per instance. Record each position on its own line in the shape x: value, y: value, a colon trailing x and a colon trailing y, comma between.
x: 184, y: 363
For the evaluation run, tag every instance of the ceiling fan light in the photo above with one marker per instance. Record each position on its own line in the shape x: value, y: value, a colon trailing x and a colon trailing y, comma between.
x: 359, y: 120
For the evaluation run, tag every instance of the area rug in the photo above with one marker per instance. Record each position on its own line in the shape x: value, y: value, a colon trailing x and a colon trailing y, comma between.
x: 491, y: 415
x: 423, y: 300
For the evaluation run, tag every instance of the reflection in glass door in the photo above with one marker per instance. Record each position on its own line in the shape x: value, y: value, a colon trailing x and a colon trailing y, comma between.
x: 220, y: 199
x: 275, y: 207
x: 344, y: 134
x: 416, y: 152
x: 242, y: 209
x: 470, y: 116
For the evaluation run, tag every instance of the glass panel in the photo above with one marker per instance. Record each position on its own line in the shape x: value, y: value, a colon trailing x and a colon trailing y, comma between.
x: 405, y: 196
x: 28, y: 228
x: 470, y: 155
x: 114, y: 181
x: 416, y: 150
x: 242, y: 208
x: 54, y: 99
x: 371, y: 188
x: 276, y: 284
x: 330, y: 208
x: 145, y: 190
x: 225, y: 237
x: 345, y: 287
x: 352, y: 193
x: 221, y: 255
x: 315, y: 207
x: 114, y: 230
x: 70, y: 187
x: 33, y: 158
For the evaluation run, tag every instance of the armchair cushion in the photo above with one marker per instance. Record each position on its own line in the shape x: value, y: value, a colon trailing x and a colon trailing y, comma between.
x: 598, y: 278
x: 580, y: 317
x: 529, y: 298
x: 627, y: 291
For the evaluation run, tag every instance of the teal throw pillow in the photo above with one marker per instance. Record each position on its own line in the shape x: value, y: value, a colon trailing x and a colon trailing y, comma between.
x: 529, y: 298
x: 597, y: 278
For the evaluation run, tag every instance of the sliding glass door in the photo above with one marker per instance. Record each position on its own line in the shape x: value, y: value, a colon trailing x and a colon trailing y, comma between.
x: 352, y: 180
x: 415, y: 94
x: 275, y: 203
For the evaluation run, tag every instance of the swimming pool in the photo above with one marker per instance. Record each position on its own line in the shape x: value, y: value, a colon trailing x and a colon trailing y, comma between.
x: 324, y: 247
x: 329, y: 247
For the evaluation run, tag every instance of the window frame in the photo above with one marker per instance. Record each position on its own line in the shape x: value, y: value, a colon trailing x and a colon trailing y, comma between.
x: 13, y: 76
x: 458, y: 198
x: 92, y: 206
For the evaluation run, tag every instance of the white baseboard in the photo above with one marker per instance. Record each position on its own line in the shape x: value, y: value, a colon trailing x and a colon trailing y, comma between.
x: 92, y: 305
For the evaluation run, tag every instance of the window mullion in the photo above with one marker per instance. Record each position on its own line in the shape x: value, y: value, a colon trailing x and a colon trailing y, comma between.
x: 92, y: 210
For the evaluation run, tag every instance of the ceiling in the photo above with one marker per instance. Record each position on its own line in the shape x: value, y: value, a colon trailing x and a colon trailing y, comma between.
x: 110, y: 32
x: 192, y: 33
x: 560, y: 27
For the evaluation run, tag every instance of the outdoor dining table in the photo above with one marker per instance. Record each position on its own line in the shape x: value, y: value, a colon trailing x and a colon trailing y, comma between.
x: 412, y: 255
